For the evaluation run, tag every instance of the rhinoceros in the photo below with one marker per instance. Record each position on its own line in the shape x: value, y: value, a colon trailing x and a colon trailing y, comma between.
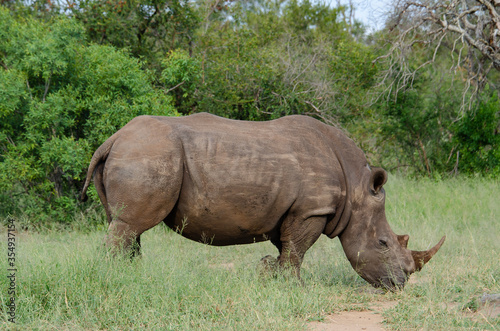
x: 227, y: 182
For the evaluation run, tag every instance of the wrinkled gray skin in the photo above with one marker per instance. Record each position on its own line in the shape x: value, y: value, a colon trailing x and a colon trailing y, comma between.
x: 227, y: 182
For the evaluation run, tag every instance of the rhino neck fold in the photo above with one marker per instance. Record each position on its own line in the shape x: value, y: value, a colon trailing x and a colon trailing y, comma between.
x: 343, y: 213
x: 339, y: 222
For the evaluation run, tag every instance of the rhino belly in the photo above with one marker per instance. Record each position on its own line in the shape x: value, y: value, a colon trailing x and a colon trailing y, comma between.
x: 224, y: 231
x: 232, y: 209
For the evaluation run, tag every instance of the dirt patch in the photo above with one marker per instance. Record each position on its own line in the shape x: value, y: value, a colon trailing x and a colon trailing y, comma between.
x: 486, y: 308
x: 490, y: 311
x: 369, y: 320
x: 490, y: 305
x: 480, y: 309
x: 350, y: 320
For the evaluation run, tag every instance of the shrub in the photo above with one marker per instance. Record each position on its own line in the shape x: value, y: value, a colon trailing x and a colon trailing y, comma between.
x: 60, y: 98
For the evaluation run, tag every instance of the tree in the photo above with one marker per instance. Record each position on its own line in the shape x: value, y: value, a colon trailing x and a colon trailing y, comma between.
x: 417, y: 128
x: 422, y: 129
x: 469, y: 30
x: 477, y: 139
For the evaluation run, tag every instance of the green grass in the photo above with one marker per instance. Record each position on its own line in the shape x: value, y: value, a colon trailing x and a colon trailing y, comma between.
x: 65, y: 282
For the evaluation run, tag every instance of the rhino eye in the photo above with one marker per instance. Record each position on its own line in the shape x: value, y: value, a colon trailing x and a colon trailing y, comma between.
x: 382, y: 243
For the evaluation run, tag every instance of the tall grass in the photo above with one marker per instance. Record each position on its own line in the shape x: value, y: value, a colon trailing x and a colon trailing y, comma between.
x: 64, y: 280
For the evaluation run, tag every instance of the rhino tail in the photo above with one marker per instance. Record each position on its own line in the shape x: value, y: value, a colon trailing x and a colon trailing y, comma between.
x: 100, y: 156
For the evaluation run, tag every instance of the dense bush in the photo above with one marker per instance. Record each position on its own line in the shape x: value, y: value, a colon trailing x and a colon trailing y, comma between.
x: 277, y: 58
x: 478, y: 139
x: 60, y: 98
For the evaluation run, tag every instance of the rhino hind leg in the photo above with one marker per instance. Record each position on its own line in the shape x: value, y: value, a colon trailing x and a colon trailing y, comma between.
x: 121, y: 238
x: 297, y: 236
x: 139, y: 197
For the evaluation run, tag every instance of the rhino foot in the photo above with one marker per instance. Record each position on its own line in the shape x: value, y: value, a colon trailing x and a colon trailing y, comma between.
x: 268, y: 266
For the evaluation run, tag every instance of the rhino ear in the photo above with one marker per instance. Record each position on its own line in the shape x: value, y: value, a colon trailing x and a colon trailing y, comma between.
x: 378, y: 179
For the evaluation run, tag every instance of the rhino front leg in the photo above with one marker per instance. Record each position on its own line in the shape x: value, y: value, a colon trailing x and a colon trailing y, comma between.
x: 297, y: 235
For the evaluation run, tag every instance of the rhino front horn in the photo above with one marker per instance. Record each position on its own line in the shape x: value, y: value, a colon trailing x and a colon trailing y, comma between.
x: 422, y: 257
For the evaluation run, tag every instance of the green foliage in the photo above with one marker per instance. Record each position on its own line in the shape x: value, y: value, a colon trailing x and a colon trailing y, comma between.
x: 478, y: 139
x: 412, y: 123
x: 59, y: 100
x: 424, y: 132
x: 304, y: 17
x: 275, y: 58
x: 148, y: 29
x: 429, y: 119
x: 353, y: 62
x: 182, y: 74
x: 238, y: 76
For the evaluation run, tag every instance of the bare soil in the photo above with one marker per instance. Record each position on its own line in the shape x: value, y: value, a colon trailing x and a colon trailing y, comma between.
x: 370, y: 320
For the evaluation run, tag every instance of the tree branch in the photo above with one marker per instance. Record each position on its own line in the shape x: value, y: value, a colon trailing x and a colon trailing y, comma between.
x: 473, y: 23
x: 176, y: 86
x: 47, y: 85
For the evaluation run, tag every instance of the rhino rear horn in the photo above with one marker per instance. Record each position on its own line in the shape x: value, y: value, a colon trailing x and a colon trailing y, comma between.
x: 403, y: 240
x: 422, y: 257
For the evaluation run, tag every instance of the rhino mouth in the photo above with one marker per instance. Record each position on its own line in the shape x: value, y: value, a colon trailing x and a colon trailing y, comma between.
x: 388, y: 283
x: 394, y: 283
x: 390, y: 280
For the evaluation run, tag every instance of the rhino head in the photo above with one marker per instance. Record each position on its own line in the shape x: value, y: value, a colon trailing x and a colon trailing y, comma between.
x: 378, y: 255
